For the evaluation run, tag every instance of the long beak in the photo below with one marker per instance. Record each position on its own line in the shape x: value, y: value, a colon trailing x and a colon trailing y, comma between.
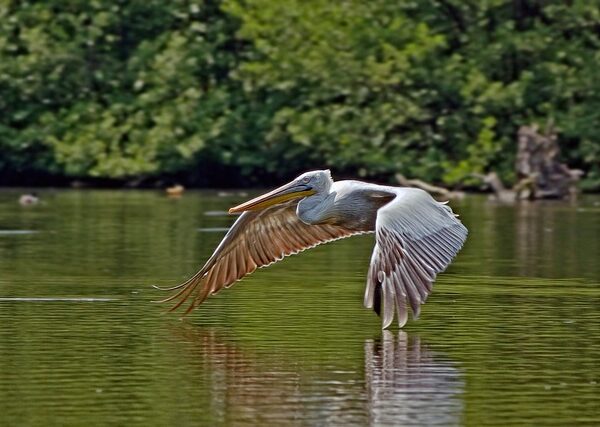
x: 290, y: 191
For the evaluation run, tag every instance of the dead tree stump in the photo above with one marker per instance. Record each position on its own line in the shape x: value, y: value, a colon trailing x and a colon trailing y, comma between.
x: 540, y: 173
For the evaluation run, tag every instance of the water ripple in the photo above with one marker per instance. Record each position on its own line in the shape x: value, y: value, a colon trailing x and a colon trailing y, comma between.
x: 16, y: 232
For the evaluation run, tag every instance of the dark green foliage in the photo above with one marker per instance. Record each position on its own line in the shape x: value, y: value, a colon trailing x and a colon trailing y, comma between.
x: 433, y: 89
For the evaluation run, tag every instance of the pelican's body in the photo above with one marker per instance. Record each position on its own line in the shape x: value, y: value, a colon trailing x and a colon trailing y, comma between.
x: 416, y: 238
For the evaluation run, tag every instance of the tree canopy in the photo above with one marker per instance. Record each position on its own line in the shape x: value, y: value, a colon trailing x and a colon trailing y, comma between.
x: 434, y: 89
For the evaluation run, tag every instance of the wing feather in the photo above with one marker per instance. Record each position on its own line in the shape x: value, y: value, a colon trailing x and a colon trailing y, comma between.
x: 401, y: 310
x: 416, y: 238
x: 257, y: 239
x: 389, y: 294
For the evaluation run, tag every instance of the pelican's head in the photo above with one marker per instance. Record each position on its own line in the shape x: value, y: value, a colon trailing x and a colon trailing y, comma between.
x: 305, y: 185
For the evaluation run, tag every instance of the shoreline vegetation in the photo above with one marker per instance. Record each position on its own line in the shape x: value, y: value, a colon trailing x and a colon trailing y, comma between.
x: 248, y: 93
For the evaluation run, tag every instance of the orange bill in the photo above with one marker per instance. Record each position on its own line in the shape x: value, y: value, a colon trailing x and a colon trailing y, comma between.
x: 282, y: 194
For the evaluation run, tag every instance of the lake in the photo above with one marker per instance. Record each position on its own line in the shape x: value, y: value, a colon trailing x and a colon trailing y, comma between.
x: 510, y: 335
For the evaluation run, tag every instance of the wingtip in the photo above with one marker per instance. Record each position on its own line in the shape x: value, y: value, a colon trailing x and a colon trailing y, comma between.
x: 385, y: 325
x: 170, y: 288
x: 401, y: 322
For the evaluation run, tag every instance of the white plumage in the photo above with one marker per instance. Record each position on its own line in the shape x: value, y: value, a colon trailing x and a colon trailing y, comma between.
x: 416, y: 238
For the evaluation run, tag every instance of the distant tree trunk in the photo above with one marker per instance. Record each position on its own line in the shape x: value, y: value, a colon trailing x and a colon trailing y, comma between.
x: 540, y: 173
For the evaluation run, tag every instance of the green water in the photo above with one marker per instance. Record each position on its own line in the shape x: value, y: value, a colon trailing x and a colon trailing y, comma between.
x: 510, y: 336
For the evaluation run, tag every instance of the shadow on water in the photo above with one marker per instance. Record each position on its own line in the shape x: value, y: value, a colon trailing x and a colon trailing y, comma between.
x: 402, y: 382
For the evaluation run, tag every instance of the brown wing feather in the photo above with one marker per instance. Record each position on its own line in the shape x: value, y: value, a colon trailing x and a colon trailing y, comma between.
x: 257, y: 239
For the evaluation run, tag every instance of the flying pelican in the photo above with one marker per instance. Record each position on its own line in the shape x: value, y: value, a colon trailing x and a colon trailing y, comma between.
x: 416, y: 238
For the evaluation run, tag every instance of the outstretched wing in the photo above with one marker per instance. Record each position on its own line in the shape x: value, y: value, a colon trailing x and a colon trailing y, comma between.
x: 256, y: 239
x: 416, y: 238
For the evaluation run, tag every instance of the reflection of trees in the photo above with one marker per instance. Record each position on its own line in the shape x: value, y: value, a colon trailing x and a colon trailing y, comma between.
x: 403, y: 384
x: 407, y: 386
x: 548, y: 240
x: 534, y: 239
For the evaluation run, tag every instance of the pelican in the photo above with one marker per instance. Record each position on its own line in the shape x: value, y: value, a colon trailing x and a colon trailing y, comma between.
x: 416, y: 238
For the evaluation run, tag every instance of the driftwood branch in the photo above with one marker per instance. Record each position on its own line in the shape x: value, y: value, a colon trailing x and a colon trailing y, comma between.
x: 430, y: 188
x: 501, y: 193
x: 539, y: 171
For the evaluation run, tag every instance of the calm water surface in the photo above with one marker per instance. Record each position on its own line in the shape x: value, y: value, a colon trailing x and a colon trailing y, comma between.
x: 510, y: 336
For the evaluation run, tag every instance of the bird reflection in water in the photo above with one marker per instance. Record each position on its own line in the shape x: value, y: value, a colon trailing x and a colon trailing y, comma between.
x: 406, y: 385
x: 244, y: 385
x: 402, y: 384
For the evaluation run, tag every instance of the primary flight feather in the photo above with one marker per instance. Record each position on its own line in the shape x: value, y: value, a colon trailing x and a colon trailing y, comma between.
x: 416, y: 238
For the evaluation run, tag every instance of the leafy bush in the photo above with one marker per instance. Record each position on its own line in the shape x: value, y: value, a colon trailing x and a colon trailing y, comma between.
x: 433, y: 89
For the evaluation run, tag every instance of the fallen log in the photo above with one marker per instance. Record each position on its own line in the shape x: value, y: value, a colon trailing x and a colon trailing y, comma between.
x: 434, y: 190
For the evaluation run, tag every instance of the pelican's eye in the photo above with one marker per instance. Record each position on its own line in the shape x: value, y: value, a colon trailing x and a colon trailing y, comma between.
x: 305, y: 180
